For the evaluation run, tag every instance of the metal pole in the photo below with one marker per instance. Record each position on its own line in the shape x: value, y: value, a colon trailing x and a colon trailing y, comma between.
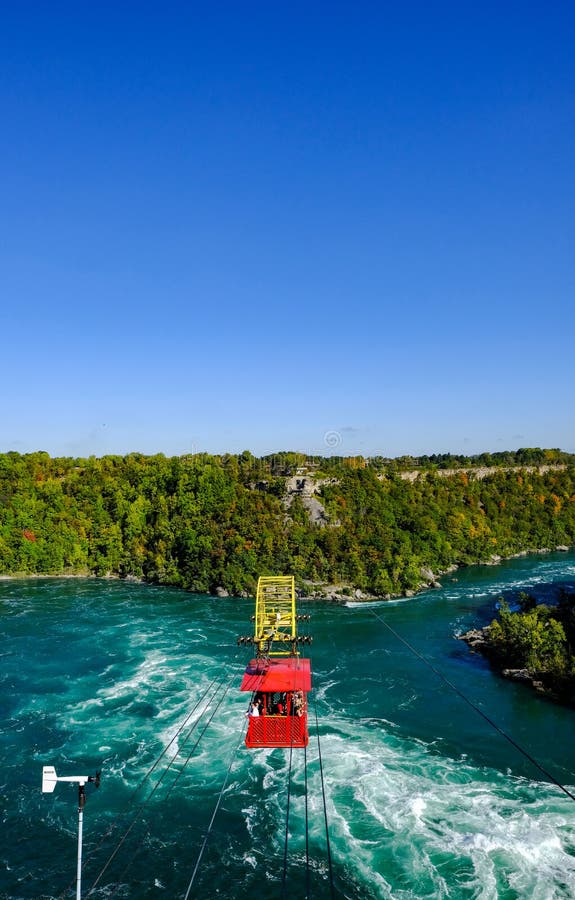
x: 81, y: 803
x: 49, y: 781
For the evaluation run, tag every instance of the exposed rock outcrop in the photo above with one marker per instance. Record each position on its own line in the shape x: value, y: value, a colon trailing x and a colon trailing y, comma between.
x: 477, y: 472
x: 305, y: 488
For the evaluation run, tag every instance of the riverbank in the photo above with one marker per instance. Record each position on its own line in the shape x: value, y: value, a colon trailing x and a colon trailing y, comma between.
x: 342, y: 592
x: 532, y: 645
x: 213, y: 524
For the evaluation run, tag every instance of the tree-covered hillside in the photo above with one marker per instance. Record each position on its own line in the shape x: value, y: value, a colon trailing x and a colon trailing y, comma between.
x: 203, y: 521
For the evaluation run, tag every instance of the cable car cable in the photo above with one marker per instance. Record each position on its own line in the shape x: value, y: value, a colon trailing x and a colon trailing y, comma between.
x: 138, y: 810
x: 217, y: 806
x: 178, y: 776
x: 176, y: 779
x: 177, y: 734
x: 306, y: 806
x: 474, y: 706
x: 284, y: 874
x: 192, y: 751
x: 307, y: 872
x: 330, y: 867
x: 123, y: 811
x: 135, y: 818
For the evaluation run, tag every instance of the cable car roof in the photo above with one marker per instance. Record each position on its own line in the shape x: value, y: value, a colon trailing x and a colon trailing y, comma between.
x: 292, y: 674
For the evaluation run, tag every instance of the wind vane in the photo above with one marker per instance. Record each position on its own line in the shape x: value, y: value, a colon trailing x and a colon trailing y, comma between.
x: 49, y: 781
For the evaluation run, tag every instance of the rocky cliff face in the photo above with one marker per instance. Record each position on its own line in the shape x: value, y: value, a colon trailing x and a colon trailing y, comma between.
x: 305, y: 488
x: 478, y: 472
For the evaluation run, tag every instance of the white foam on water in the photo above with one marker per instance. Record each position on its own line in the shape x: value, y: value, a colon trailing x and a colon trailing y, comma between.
x: 153, y: 664
x: 418, y: 806
x: 106, y: 671
x: 405, y: 822
x: 325, y: 686
x: 375, y: 604
x: 409, y: 701
x: 199, y: 637
x: 412, y: 823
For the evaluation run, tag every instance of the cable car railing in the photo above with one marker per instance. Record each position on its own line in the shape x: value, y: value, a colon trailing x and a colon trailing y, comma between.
x: 277, y: 731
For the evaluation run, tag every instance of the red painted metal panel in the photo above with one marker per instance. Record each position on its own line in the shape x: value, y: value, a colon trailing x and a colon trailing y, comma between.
x: 277, y: 731
x: 277, y: 675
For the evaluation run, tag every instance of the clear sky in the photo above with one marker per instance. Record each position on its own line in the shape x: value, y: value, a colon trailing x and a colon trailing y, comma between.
x: 328, y: 227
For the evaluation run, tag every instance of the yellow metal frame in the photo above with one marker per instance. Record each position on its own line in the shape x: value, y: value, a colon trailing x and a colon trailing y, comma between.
x: 275, y: 614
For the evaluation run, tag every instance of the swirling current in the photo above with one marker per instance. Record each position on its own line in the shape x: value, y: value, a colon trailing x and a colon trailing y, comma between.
x: 422, y: 798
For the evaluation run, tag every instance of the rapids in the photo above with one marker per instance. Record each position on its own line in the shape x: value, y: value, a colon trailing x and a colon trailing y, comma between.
x: 423, y: 799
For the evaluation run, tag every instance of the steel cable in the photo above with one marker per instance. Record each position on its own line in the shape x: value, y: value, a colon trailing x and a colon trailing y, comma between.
x: 111, y: 827
x: 210, y: 826
x: 307, y: 872
x: 139, y: 808
x: 332, y: 889
x: 474, y: 706
x: 286, y: 839
x: 176, y: 779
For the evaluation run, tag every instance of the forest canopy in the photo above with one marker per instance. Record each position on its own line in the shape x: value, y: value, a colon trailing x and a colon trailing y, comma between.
x: 205, y: 521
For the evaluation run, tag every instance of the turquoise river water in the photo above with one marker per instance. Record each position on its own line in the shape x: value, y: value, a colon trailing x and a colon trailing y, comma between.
x: 423, y: 798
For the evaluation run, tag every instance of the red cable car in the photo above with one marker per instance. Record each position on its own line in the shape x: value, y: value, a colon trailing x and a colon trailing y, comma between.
x: 278, y: 711
x: 277, y: 715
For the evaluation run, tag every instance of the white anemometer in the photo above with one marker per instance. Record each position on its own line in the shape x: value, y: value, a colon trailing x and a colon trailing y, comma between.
x: 49, y: 781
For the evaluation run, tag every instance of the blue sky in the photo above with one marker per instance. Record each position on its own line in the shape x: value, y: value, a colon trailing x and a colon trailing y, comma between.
x: 328, y: 227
